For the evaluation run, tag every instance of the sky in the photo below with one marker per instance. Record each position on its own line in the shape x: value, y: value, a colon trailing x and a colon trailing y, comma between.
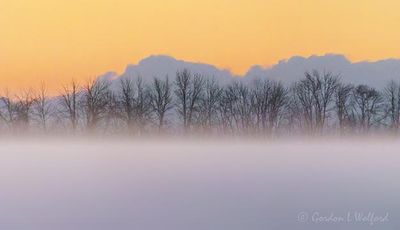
x: 53, y: 41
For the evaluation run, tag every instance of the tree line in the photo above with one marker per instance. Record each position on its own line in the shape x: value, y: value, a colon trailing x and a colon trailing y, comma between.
x: 319, y: 103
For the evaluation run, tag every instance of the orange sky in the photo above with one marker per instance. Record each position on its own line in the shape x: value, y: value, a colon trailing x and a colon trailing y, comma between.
x: 56, y: 40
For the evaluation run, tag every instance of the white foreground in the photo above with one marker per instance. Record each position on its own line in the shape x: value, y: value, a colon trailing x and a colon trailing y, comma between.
x: 196, y: 185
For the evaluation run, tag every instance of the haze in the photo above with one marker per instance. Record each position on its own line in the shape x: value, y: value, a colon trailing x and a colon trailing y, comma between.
x: 174, y: 185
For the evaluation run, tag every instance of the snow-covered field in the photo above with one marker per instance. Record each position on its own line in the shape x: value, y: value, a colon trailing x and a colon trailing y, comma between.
x: 109, y: 184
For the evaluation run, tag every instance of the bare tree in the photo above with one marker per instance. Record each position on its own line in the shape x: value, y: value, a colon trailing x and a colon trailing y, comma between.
x: 260, y: 96
x: 69, y: 103
x: 135, y: 103
x: 127, y: 101
x: 276, y: 104
x: 142, y: 106
x: 112, y: 114
x: 209, y: 102
x: 226, y: 111
x: 23, y: 109
x: 268, y: 102
x: 392, y: 100
x: 344, y: 104
x: 42, y: 108
x: 95, y: 101
x: 368, y: 105
x: 239, y: 99
x: 313, y: 104
x: 9, y: 110
x: 294, y: 112
x: 302, y: 104
x: 161, y: 100
x: 315, y: 94
x: 182, y: 91
x: 188, y: 91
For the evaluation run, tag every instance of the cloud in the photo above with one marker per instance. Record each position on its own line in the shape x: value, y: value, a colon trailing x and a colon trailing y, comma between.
x: 376, y: 73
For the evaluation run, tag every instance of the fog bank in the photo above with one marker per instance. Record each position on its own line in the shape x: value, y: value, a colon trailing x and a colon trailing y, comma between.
x: 116, y: 184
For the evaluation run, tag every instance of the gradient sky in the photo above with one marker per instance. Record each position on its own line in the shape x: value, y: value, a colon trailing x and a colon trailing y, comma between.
x: 56, y: 40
